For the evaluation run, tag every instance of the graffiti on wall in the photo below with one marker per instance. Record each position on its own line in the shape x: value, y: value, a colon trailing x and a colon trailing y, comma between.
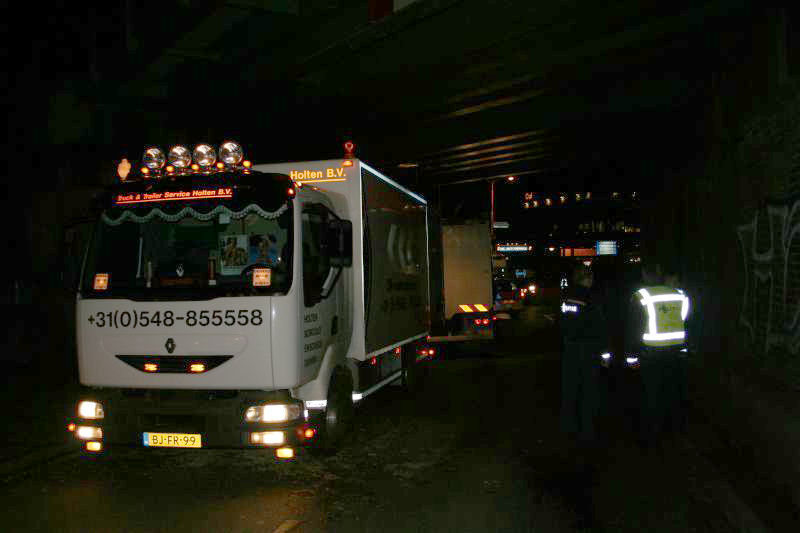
x: 770, y: 246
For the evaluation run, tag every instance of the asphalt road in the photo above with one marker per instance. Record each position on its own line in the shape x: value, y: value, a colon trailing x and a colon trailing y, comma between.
x: 478, y: 449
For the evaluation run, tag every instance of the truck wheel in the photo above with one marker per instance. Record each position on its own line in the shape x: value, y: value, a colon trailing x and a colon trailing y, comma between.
x: 339, y: 413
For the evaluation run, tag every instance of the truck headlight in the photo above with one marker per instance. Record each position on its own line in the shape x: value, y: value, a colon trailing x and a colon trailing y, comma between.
x: 273, y: 412
x: 90, y: 410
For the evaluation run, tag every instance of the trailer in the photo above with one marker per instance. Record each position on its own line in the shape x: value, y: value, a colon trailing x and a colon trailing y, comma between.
x: 224, y: 304
x: 467, y: 273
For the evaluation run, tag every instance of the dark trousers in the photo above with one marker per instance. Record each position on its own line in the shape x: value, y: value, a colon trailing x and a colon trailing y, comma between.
x: 662, y: 386
x: 579, y: 389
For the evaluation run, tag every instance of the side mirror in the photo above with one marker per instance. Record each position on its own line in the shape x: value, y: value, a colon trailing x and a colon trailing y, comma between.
x: 340, y: 242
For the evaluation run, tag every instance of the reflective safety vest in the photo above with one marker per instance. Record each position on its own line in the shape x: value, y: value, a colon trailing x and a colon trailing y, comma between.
x: 666, y: 310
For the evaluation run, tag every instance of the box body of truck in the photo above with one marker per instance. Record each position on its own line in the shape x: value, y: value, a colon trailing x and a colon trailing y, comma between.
x: 240, y: 308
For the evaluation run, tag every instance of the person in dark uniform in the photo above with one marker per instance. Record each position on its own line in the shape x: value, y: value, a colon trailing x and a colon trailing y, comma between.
x: 585, y: 337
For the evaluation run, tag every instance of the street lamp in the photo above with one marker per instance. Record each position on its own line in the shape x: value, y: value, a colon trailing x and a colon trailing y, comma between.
x: 509, y: 179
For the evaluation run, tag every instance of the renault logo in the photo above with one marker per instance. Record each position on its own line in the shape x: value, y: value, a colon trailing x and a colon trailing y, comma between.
x: 170, y: 345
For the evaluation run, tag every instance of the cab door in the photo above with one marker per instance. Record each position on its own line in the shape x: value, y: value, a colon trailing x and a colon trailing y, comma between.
x: 321, y: 292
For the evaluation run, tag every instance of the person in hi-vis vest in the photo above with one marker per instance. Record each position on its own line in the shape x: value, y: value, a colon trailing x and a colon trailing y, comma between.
x: 656, y: 334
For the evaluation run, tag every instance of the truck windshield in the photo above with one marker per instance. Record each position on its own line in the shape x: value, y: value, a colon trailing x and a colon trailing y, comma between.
x: 196, y: 255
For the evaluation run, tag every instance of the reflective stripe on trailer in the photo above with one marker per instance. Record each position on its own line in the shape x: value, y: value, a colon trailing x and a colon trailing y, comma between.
x: 478, y: 308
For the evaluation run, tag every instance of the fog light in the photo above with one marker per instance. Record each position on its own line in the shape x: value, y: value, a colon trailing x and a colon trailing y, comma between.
x: 94, y: 446
x: 90, y: 410
x: 273, y: 438
x: 284, y: 453
x: 88, y: 432
x: 309, y: 433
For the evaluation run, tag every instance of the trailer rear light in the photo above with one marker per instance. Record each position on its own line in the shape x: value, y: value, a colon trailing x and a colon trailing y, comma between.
x: 398, y: 351
x: 284, y: 453
x: 94, y: 446
x: 197, y: 368
x: 477, y: 321
x: 485, y: 321
x: 150, y: 367
x: 494, y: 317
x: 373, y: 361
x: 431, y: 352
x: 100, y: 282
x: 291, y: 192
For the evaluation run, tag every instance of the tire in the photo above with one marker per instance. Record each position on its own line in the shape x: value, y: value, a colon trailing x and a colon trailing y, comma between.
x: 339, y: 414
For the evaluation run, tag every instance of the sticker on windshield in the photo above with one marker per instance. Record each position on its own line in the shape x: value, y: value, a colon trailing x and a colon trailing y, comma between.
x: 264, y: 249
x: 233, y: 253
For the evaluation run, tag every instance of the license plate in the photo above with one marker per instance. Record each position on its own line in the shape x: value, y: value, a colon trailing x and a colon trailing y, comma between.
x: 172, y: 440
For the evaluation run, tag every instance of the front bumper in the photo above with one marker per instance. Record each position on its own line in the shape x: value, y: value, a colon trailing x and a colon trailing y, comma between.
x: 217, y: 416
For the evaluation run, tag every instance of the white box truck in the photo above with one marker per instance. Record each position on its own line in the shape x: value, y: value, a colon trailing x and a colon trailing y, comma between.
x: 467, y: 271
x: 224, y: 304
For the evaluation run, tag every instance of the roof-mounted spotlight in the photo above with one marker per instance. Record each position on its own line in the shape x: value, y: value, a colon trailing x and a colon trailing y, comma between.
x: 179, y: 157
x: 154, y: 159
x: 231, y: 153
x: 204, y: 155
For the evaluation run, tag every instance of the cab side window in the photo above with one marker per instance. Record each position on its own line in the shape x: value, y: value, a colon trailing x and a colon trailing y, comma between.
x: 316, y: 259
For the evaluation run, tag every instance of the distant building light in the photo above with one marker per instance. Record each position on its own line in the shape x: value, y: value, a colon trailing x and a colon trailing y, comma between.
x: 408, y: 165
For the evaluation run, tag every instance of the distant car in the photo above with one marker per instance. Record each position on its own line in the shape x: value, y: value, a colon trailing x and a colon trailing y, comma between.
x: 507, y: 296
x: 530, y: 291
